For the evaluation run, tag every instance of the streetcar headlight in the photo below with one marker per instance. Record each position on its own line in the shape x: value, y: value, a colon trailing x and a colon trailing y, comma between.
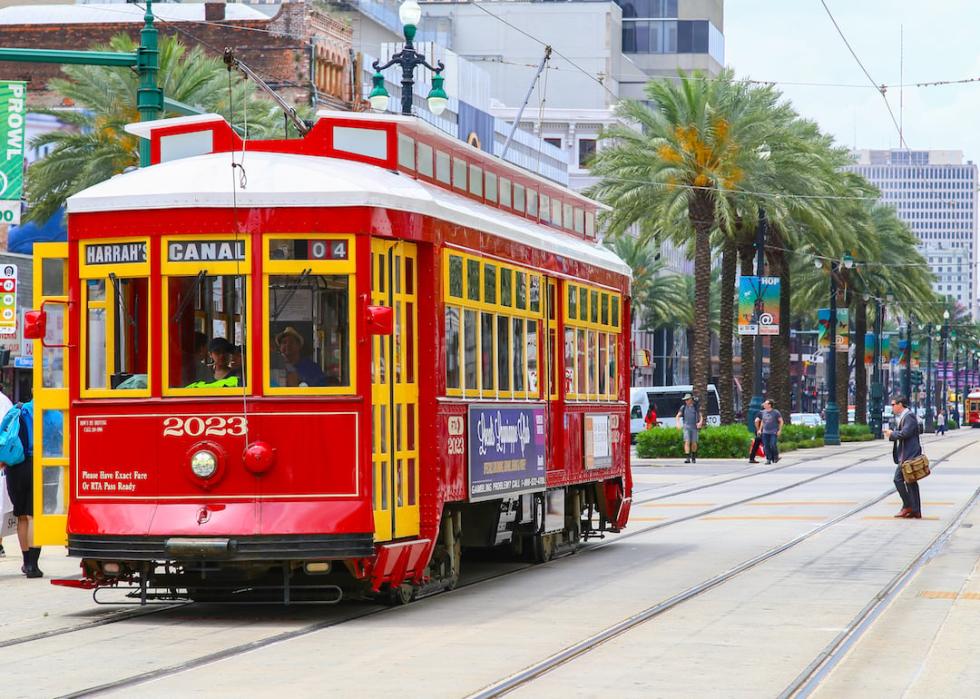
x: 204, y: 464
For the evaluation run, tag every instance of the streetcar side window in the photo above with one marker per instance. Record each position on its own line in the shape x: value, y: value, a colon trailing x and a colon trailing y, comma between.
x: 591, y: 343
x: 115, y: 327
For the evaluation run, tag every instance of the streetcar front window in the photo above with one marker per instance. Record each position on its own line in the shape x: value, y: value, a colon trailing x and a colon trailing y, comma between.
x: 309, y: 329
x: 208, y: 330
x: 115, y: 337
x: 116, y: 323
x: 308, y: 318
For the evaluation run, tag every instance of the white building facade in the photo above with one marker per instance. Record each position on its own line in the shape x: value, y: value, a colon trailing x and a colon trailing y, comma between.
x: 935, y: 193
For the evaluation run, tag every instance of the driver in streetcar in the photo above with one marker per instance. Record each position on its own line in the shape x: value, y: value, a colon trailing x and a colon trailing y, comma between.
x: 220, y: 353
x: 299, y: 370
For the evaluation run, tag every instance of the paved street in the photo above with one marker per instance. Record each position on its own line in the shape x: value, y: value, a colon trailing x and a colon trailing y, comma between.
x: 778, y: 601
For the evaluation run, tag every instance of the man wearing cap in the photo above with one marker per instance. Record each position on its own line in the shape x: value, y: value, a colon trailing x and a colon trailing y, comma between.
x: 690, y: 421
x: 300, y: 370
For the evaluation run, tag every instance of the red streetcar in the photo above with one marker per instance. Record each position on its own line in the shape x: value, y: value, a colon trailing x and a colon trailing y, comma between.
x: 299, y: 369
x: 973, y: 408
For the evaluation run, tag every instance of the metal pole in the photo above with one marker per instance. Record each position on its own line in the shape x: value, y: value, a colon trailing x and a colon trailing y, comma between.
x: 956, y: 387
x: 149, y: 97
x: 930, y: 388
x: 760, y: 260
x: 527, y: 98
x: 832, y: 417
x: 941, y: 406
x: 907, y: 383
x: 877, y: 391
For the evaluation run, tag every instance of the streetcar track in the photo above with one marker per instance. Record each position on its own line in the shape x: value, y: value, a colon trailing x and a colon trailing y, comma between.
x: 568, y: 654
x: 820, y: 668
x: 131, y: 614
x: 284, y: 636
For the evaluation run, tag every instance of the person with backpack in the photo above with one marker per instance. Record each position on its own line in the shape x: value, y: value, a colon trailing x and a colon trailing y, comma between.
x: 16, y: 452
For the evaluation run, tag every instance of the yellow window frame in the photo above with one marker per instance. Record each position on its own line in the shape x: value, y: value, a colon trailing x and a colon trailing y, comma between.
x: 607, y: 331
x: 498, y: 309
x: 215, y: 268
x: 346, y: 267
x: 122, y: 270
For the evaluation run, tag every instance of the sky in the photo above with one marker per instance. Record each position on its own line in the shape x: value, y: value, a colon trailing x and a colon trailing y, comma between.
x: 794, y: 41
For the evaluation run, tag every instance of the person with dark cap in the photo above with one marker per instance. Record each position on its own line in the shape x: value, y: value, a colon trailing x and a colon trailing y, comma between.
x: 300, y: 370
x: 223, y: 375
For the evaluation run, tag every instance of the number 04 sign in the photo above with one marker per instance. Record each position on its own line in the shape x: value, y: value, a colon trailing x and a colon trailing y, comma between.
x: 8, y: 299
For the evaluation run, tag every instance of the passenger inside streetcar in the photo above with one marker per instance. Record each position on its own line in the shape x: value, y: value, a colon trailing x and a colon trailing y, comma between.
x: 308, y: 331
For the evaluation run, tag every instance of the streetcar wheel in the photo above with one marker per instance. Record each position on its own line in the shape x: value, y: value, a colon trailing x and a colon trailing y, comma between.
x: 401, y: 595
x: 544, y: 548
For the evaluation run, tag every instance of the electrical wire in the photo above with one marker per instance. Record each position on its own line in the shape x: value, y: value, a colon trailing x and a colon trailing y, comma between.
x: 881, y: 88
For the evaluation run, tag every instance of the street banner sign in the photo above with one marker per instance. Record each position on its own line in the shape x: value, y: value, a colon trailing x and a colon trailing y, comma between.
x: 869, y: 348
x: 823, y: 338
x: 915, y: 354
x: 886, y: 349
x: 8, y: 299
x: 758, y: 306
x: 13, y: 114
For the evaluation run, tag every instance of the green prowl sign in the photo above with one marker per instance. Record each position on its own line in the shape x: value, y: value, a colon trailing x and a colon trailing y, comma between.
x: 13, y: 115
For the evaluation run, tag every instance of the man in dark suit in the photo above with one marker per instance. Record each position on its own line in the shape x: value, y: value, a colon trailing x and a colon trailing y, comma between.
x: 905, y: 438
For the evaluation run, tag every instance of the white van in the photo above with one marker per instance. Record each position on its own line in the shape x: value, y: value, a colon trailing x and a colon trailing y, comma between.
x: 667, y: 401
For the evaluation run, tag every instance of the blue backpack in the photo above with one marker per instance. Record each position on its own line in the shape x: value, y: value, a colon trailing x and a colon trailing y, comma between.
x: 11, y: 446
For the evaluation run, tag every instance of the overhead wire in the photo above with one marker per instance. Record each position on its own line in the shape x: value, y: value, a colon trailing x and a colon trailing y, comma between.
x: 881, y: 89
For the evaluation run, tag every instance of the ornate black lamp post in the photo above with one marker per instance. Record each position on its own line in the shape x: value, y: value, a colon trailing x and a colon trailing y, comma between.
x: 832, y: 413
x: 409, y: 12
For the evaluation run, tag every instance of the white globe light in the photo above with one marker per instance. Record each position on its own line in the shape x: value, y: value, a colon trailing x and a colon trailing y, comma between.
x: 410, y: 12
x: 437, y: 105
x: 204, y: 464
x: 379, y: 103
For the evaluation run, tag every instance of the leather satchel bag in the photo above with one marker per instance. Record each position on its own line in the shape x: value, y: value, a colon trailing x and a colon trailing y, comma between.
x: 916, y: 468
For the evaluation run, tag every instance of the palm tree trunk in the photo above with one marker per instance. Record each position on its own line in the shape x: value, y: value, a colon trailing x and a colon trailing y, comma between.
x: 860, y: 371
x: 779, y: 381
x: 701, y: 215
x: 746, y: 346
x: 726, y: 313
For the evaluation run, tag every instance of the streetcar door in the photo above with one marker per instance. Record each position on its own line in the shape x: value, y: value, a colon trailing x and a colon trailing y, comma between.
x: 51, y: 475
x: 395, y: 392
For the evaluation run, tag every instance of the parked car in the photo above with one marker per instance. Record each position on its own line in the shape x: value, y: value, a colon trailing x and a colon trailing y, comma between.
x: 807, y: 419
x: 667, y: 401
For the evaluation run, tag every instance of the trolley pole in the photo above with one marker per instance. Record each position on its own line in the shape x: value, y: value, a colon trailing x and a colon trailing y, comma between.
x: 877, y: 392
x: 930, y: 388
x: 760, y: 260
x: 832, y: 414
x: 907, y: 379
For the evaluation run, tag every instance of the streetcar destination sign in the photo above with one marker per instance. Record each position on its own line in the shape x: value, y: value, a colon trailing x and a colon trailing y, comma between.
x: 206, y: 251
x: 110, y: 253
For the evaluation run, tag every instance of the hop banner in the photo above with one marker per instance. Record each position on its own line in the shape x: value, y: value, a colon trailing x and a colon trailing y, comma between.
x: 886, y: 349
x: 13, y: 113
x: 869, y: 348
x: 758, y: 306
x: 823, y: 337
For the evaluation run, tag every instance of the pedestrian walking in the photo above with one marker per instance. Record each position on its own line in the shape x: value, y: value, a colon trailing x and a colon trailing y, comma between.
x: 6, y: 507
x: 768, y: 427
x: 689, y: 420
x: 19, y: 474
x: 650, y: 421
x: 941, y: 422
x: 905, y: 445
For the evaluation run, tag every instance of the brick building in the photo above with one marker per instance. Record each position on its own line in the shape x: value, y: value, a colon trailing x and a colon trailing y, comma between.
x: 299, y: 51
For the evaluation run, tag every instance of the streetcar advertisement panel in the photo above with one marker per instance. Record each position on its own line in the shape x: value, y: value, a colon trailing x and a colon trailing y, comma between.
x: 506, y: 450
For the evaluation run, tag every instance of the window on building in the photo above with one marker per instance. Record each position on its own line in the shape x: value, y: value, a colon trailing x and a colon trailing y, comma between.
x: 586, y: 151
x: 556, y: 142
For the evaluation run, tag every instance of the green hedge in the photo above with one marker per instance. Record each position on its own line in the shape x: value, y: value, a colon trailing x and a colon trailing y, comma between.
x: 728, y: 442
x: 855, y: 433
x: 811, y: 443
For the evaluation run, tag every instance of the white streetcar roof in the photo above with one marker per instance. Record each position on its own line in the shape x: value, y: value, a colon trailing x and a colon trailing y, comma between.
x: 287, y: 180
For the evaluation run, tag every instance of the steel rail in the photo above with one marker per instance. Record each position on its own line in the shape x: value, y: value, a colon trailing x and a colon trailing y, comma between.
x: 533, y: 672
x: 233, y: 651
x: 818, y: 670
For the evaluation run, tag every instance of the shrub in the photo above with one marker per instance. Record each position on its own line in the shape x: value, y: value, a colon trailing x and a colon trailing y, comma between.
x: 727, y: 442
x: 665, y: 442
x: 788, y: 446
x: 818, y: 431
x: 811, y: 443
x: 855, y: 433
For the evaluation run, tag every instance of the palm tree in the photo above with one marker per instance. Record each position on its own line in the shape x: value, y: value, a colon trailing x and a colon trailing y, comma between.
x: 697, y: 138
x: 99, y: 147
